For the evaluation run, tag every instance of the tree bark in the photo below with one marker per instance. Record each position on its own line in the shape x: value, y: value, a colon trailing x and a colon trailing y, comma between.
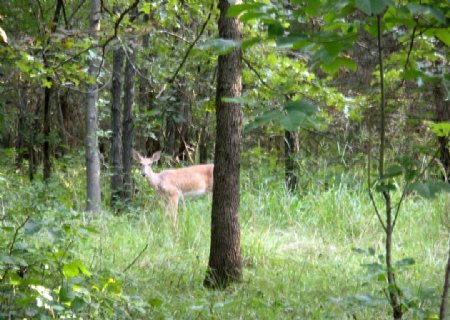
x: 47, y: 95
x: 21, y: 126
x: 225, y: 265
x: 291, y: 148
x: 62, y: 104
x: 116, y: 127
x: 443, y: 311
x: 128, y: 126
x: 393, y: 290
x: 91, y: 140
x: 442, y: 115
x: 46, y: 145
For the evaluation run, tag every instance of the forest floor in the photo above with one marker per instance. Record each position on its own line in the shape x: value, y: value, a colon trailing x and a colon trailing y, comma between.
x: 317, y: 254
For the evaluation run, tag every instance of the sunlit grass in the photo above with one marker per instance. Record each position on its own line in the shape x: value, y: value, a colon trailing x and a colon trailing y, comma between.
x: 298, y: 254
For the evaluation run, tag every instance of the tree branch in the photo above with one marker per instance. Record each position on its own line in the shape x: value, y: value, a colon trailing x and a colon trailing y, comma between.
x: 172, y: 79
x: 369, y: 183
x: 135, y: 259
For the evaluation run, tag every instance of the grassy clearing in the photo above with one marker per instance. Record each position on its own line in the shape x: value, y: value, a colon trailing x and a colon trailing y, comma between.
x: 298, y: 252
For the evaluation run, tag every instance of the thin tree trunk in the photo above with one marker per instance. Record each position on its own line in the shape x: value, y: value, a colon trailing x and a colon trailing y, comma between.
x: 47, y: 96
x: 91, y: 141
x: 443, y: 311
x: 393, y: 290
x: 21, y: 127
x: 46, y: 131
x: 442, y: 115
x: 225, y: 265
x: 169, y: 145
x: 203, y: 147
x: 291, y: 148
x: 128, y: 126
x: 62, y: 104
x: 116, y: 126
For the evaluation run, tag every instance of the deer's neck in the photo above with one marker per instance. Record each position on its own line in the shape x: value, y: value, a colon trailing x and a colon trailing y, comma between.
x: 152, y: 177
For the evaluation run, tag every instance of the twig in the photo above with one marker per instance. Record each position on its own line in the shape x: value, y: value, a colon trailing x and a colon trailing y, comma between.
x: 369, y: 183
x: 136, y: 258
x: 80, y: 4
x: 11, y: 246
x: 411, y: 44
x: 172, y: 79
x: 116, y: 30
x: 405, y: 188
x: 258, y: 75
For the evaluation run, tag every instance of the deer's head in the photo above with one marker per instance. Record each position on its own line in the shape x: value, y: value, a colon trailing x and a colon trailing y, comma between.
x: 146, y: 163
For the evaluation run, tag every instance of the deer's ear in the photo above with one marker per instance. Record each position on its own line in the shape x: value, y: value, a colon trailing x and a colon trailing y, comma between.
x: 136, y: 155
x: 156, y: 156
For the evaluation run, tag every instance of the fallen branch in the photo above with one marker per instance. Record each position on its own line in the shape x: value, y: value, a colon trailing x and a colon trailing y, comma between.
x: 136, y: 258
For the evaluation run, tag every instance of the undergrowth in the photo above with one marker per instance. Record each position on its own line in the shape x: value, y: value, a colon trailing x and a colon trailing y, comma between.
x: 309, y: 255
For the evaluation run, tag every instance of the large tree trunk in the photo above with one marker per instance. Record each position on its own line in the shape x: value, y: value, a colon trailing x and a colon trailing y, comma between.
x: 291, y: 148
x: 225, y: 265
x: 442, y: 115
x: 116, y: 127
x: 128, y: 126
x: 91, y: 140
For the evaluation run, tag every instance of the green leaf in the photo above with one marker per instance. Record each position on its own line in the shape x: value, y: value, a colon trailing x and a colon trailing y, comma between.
x: 303, y: 106
x: 296, y: 113
x: 275, y: 29
x: 251, y: 16
x: 220, y: 46
x: 421, y: 9
x: 441, y: 129
x: 372, y: 7
x: 73, y: 269
x: 393, y: 171
x: 146, y: 8
x: 443, y: 35
x: 155, y: 302
x: 263, y: 119
x: 412, y: 74
x: 66, y: 294
x: 312, y: 8
x: 340, y: 62
x: 429, y: 189
x: 333, y: 48
x: 295, y: 41
x: 404, y: 263
x: 235, y: 10
x: 250, y: 42
x: 385, y: 187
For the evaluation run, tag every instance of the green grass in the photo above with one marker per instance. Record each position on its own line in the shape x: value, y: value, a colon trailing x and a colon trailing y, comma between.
x: 297, y: 250
x: 298, y: 253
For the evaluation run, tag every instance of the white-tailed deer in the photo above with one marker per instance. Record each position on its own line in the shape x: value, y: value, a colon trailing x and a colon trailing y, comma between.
x: 172, y: 184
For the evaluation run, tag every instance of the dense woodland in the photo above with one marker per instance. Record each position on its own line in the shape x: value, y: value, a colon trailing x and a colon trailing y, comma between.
x: 328, y: 124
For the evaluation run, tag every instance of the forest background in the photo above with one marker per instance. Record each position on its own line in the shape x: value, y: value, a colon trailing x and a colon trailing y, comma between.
x: 337, y: 159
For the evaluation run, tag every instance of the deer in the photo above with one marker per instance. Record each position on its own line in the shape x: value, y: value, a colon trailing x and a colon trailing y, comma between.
x: 173, y: 184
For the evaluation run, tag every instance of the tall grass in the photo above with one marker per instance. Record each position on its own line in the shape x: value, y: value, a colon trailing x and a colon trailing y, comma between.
x: 301, y: 252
